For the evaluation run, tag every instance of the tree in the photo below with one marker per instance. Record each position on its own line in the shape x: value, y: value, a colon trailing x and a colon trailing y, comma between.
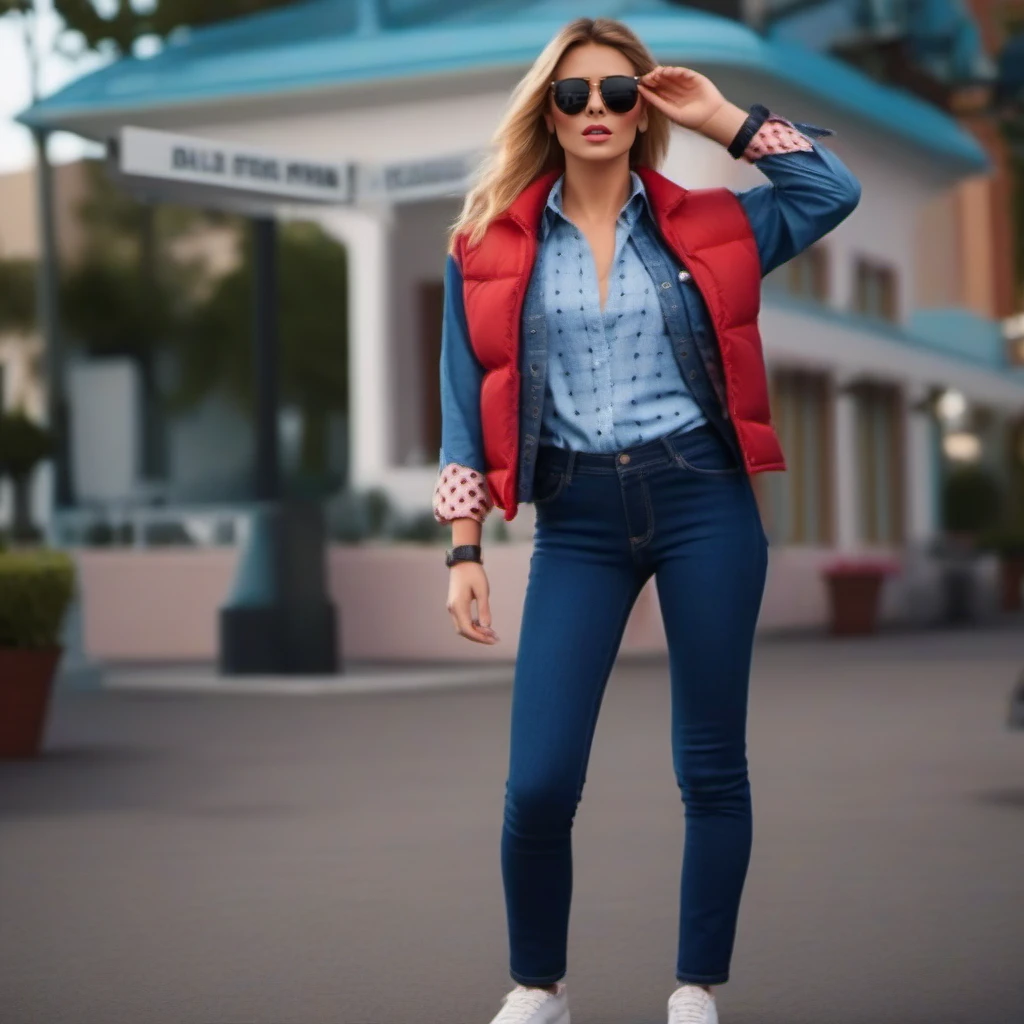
x: 25, y: 9
x: 44, y: 292
x: 116, y: 30
x: 24, y: 444
x: 217, y: 349
x: 17, y: 296
x: 107, y: 304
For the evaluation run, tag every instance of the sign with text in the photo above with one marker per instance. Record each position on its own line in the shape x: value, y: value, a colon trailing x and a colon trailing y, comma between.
x: 429, y: 178
x: 190, y: 160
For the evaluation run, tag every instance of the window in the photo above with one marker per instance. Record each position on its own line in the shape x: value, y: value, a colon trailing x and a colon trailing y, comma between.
x: 879, y: 463
x: 798, y: 503
x: 874, y: 292
x: 807, y: 274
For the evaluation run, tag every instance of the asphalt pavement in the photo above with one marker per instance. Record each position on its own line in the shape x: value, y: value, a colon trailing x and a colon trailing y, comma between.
x: 189, y: 857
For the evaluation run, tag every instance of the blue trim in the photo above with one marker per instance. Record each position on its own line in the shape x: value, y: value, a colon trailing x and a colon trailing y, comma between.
x: 307, y: 47
x: 954, y: 332
x: 961, y: 333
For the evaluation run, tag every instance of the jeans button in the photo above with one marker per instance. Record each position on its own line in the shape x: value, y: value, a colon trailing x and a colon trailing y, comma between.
x: 623, y: 458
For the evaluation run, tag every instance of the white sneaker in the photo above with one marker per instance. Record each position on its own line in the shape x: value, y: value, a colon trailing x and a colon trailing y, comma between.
x: 534, y: 1006
x: 691, y: 1004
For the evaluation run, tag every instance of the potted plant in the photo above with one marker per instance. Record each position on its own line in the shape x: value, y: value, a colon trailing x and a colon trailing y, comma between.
x: 24, y: 444
x: 855, y: 586
x: 35, y: 590
x: 1008, y: 544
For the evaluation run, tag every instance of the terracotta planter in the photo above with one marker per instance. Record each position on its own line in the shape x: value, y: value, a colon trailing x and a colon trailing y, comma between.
x: 1011, y: 578
x: 26, y: 682
x: 854, y: 599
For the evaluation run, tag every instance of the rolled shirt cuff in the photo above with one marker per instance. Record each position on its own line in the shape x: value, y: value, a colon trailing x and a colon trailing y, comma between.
x: 776, y: 135
x: 461, y: 493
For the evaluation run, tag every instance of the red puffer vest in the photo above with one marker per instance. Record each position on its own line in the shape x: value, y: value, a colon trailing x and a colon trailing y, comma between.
x: 705, y: 228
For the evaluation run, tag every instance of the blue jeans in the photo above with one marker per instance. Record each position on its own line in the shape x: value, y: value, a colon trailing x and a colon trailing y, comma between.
x: 682, y: 509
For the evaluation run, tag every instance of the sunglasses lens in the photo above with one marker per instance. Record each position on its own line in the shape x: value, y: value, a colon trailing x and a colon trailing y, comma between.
x: 619, y: 93
x: 571, y: 95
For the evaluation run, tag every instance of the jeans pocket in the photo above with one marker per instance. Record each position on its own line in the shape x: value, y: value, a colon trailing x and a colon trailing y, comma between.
x: 705, y: 453
x: 548, y: 485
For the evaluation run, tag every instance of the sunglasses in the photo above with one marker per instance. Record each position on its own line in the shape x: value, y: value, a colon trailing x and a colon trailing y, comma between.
x: 619, y: 93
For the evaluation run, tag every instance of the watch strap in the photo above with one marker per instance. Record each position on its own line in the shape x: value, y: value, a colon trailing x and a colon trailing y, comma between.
x: 757, y: 117
x: 463, y: 553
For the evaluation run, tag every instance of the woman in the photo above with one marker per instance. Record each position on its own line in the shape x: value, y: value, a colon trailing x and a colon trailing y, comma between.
x: 601, y: 358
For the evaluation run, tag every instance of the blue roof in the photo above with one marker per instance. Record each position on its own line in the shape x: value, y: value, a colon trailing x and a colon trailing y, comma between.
x: 942, y: 35
x: 963, y: 333
x: 318, y: 43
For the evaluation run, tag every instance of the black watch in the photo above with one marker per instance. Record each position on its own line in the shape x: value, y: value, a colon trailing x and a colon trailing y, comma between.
x: 462, y: 553
x: 757, y: 117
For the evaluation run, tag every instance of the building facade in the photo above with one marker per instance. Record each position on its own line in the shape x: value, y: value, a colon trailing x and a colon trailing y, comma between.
x: 864, y: 334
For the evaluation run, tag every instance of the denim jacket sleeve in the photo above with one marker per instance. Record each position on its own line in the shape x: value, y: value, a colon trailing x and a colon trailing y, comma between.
x: 461, y: 490
x: 810, y: 190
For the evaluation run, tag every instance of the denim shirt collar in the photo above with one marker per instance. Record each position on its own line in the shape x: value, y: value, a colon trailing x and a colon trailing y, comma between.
x: 631, y: 209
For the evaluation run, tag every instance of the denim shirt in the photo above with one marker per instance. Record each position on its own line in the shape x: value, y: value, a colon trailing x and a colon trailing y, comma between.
x: 606, y: 389
x: 808, y: 193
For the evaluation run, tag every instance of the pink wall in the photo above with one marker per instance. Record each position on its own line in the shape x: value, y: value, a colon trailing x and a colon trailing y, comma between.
x: 161, y: 605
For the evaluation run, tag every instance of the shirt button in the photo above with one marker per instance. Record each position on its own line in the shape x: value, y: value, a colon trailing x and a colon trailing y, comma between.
x: 623, y: 459
x: 685, y: 352
x: 536, y: 411
x: 693, y: 373
x: 666, y: 284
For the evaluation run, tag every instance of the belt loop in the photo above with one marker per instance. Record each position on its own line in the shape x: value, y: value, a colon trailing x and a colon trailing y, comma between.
x: 569, y: 462
x: 667, y: 445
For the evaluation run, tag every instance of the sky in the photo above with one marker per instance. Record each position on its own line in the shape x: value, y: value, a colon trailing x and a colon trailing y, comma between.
x: 15, y: 141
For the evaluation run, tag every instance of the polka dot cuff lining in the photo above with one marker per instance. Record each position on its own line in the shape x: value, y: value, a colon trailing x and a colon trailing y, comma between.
x: 776, y: 135
x: 461, y: 493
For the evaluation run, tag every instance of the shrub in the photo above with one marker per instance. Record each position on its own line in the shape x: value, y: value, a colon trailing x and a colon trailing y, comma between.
x: 971, y: 500
x: 1007, y: 541
x: 36, y: 588
x: 24, y: 444
x: 422, y: 528
x: 354, y: 517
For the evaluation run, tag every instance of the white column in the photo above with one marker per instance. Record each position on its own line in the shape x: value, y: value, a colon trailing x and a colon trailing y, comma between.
x: 366, y: 234
x: 919, y: 432
x: 844, y: 459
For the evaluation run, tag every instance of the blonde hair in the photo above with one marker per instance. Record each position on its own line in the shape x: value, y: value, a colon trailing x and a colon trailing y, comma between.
x: 522, y: 148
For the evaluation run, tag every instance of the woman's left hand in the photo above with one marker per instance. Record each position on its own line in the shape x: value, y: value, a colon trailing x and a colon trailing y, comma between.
x: 686, y: 97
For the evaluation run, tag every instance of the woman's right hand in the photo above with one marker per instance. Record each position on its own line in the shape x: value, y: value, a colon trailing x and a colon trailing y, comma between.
x: 467, y: 582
